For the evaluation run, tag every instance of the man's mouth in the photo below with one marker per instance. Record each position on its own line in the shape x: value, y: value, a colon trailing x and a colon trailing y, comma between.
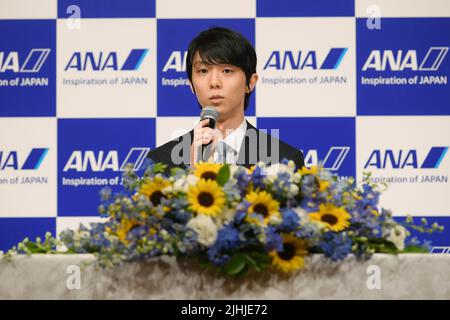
x: 216, y: 98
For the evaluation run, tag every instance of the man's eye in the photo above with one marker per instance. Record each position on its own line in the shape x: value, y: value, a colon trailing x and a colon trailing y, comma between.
x: 202, y: 70
x: 228, y: 70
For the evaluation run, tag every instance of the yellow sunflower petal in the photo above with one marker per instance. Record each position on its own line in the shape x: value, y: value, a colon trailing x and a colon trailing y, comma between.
x: 312, y: 170
x: 335, y: 218
x: 292, y: 257
x: 206, y: 170
x: 153, y: 189
x: 124, y: 227
x: 261, y: 202
x: 206, y: 197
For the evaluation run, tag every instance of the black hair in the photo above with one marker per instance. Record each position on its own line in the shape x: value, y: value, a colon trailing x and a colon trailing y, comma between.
x: 218, y: 45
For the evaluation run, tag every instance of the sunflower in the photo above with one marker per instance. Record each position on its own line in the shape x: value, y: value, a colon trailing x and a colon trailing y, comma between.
x: 207, y: 171
x: 335, y: 218
x: 124, y: 227
x: 262, y: 202
x: 153, y: 189
x: 251, y: 169
x: 206, y: 197
x: 314, y: 170
x: 323, y: 185
x: 291, y: 257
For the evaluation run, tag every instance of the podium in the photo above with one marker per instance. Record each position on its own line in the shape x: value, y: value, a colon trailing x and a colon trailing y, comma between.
x: 405, y: 276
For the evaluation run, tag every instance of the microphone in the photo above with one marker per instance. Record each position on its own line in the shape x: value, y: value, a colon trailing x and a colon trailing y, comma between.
x: 212, y: 114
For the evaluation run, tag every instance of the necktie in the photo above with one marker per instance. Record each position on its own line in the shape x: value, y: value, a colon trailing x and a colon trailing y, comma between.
x: 221, y: 151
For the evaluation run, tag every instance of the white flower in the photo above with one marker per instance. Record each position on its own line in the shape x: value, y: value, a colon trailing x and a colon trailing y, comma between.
x: 164, y: 234
x: 127, y: 201
x: 192, y: 179
x: 168, y: 189
x: 261, y: 164
x: 226, y: 216
x: 205, y: 228
x: 301, y: 213
x: 275, y: 220
x: 291, y: 165
x: 397, y: 236
x: 61, y: 248
x: 293, y: 190
x: 233, y: 169
x: 180, y: 185
x: 276, y: 168
x: 272, y: 171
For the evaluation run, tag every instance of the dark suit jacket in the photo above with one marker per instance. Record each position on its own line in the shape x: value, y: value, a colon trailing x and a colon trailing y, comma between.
x: 256, y: 146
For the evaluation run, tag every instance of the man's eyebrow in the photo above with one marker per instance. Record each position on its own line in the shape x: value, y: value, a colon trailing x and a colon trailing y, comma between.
x: 199, y: 63
x: 203, y: 63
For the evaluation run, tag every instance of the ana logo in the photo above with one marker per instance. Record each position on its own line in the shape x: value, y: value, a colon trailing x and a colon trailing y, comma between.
x: 32, y: 63
x: 282, y: 60
x: 89, y: 160
x: 176, y: 62
x: 10, y: 160
x: 105, y: 61
x: 332, y: 161
x: 382, y: 159
x: 405, y: 60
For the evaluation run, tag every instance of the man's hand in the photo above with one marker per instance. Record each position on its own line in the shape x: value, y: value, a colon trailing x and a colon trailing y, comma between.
x: 202, y: 136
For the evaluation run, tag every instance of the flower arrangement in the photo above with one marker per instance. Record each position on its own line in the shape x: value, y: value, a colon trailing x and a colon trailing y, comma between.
x: 236, y: 219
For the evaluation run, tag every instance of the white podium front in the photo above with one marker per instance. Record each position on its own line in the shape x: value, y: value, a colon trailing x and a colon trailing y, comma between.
x: 406, y: 276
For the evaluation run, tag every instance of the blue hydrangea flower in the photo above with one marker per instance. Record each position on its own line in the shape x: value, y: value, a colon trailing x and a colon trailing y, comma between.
x: 216, y: 257
x: 282, y: 184
x: 290, y: 221
x: 228, y: 238
x: 336, y: 245
x: 337, y: 190
x: 242, y: 179
x: 105, y: 194
x: 258, y: 177
x: 311, y: 232
x: 231, y: 191
x: 273, y: 240
x: 239, y: 217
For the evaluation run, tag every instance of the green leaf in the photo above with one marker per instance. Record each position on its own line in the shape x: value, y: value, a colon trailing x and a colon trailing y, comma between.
x: 383, y: 246
x: 159, y: 167
x: 383, y: 249
x: 254, y: 263
x: 223, y: 175
x: 258, y: 261
x: 203, y: 260
x: 31, y: 245
x: 174, y: 171
x: 243, y: 271
x: 414, y: 249
x: 235, y: 265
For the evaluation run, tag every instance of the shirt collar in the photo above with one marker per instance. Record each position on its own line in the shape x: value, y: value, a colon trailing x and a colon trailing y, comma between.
x: 235, y: 138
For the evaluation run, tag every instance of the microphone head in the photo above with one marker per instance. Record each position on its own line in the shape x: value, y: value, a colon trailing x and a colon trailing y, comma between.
x: 210, y: 113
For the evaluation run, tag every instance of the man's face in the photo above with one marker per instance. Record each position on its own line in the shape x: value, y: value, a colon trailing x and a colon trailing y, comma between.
x: 222, y: 86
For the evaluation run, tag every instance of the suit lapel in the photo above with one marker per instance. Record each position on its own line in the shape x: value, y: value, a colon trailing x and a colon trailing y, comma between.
x: 247, y: 143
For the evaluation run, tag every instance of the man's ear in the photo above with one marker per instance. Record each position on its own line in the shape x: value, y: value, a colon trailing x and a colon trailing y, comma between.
x: 252, y: 83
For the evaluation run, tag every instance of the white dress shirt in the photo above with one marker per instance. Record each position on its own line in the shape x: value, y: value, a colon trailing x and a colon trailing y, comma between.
x: 233, y: 144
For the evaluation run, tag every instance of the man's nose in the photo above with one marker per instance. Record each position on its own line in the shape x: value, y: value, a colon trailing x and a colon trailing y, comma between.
x: 214, y: 80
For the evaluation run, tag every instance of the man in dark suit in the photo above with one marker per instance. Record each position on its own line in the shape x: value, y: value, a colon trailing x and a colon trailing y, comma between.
x: 221, y: 67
